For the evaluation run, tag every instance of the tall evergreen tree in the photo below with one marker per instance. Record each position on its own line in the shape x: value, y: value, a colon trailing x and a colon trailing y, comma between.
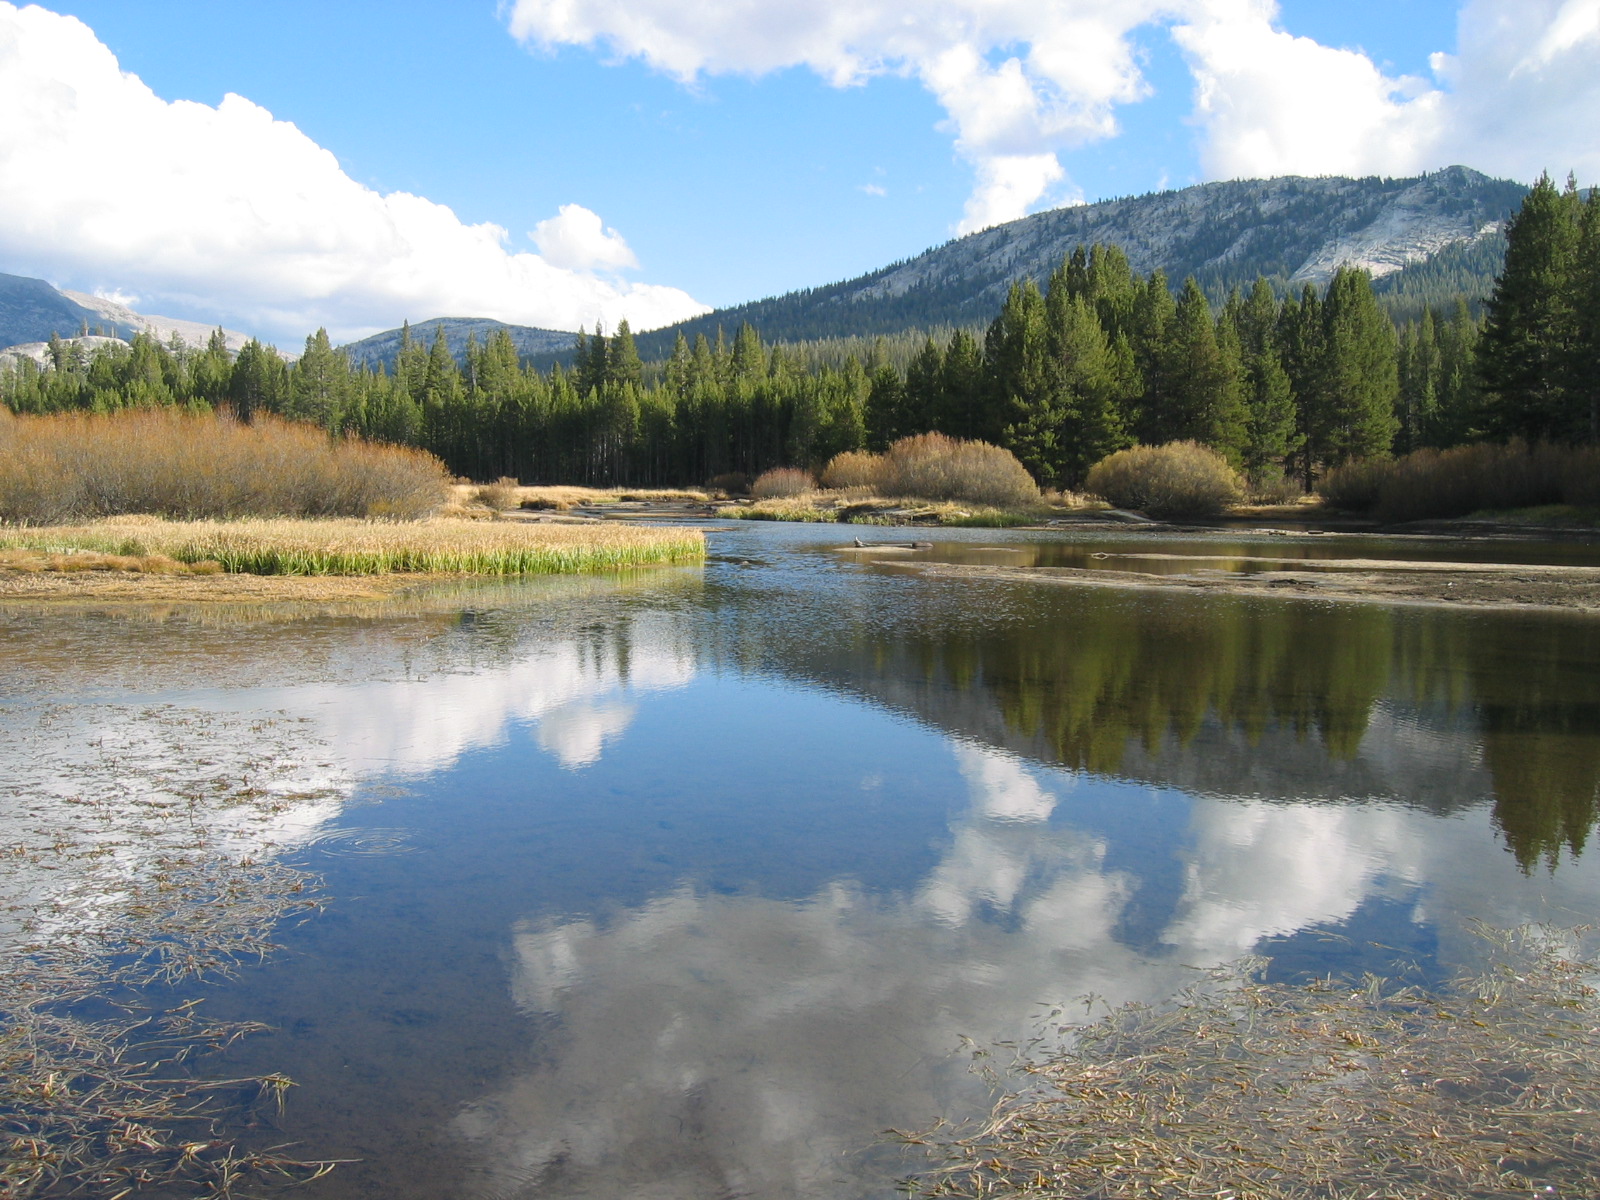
x: 1268, y: 397
x: 319, y: 385
x: 1523, y: 357
x: 622, y: 358
x: 1359, y: 373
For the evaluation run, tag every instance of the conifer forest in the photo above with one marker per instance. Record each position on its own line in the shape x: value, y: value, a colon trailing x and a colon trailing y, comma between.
x: 1097, y: 360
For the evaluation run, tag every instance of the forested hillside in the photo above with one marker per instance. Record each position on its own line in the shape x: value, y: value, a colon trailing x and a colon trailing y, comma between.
x: 1290, y: 231
x: 1099, y: 358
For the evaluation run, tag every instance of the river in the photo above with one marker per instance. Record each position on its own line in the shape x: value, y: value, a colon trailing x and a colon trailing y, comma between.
x: 692, y: 882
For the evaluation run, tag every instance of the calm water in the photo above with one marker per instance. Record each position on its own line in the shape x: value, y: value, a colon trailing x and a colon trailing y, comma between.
x: 689, y: 884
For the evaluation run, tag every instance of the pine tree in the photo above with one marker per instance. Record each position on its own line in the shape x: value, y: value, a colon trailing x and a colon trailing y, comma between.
x: 319, y: 385
x: 961, y: 387
x: 886, y: 409
x: 1200, y: 398
x: 622, y: 358
x: 1523, y: 358
x: 1583, y: 356
x: 1016, y: 364
x: 1268, y: 397
x: 1360, y: 374
x: 1151, y: 317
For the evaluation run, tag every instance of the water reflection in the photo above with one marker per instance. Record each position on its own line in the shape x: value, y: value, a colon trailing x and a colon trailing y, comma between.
x: 713, y: 1045
x: 707, y: 877
x: 1275, y: 698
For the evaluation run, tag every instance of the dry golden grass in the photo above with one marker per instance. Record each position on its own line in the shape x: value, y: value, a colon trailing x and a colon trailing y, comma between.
x: 1487, y: 1087
x: 782, y: 482
x: 344, y: 547
x: 1466, y: 479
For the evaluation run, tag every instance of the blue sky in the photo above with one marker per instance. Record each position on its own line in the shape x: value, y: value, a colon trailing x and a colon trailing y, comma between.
x: 716, y: 156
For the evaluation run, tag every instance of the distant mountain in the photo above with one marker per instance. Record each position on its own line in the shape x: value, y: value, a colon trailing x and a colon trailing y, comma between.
x: 31, y: 310
x: 458, y: 331
x: 1292, y: 230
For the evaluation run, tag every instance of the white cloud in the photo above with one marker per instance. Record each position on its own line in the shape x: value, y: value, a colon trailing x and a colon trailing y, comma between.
x: 576, y: 241
x: 1271, y: 103
x: 1020, y: 80
x: 1517, y: 97
x: 228, y: 212
x: 1024, y: 82
x: 874, y: 189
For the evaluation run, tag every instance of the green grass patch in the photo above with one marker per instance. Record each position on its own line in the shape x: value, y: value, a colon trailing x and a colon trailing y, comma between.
x: 374, y: 548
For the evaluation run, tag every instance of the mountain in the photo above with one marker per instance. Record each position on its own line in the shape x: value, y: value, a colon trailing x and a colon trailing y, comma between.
x: 31, y: 310
x: 383, y: 348
x: 1292, y: 230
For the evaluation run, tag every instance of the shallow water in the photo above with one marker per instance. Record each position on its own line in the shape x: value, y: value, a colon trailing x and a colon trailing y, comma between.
x: 689, y: 884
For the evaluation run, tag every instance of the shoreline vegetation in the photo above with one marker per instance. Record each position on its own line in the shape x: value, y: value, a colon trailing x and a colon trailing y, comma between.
x: 1263, y: 1090
x: 257, y: 546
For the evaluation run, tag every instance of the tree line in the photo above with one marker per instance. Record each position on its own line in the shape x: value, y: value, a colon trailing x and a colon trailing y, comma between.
x: 1098, y: 359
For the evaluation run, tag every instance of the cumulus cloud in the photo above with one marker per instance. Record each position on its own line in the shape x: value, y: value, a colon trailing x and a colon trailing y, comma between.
x: 1022, y: 83
x: 229, y: 212
x: 1019, y: 80
x: 576, y: 240
x: 1515, y: 98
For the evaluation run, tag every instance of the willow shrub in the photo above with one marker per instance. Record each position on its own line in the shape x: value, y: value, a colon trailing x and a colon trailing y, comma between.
x: 1466, y: 479
x: 1179, y: 479
x: 781, y: 483
x: 81, y: 466
x: 932, y: 466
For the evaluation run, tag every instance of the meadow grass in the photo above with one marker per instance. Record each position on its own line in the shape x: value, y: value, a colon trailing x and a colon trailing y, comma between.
x: 348, y: 547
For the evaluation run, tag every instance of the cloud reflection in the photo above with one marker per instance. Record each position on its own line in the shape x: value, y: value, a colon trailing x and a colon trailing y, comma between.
x: 706, y: 1045
x: 566, y: 688
x: 716, y: 1045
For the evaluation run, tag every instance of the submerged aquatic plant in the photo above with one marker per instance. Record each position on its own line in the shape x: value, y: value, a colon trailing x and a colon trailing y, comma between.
x: 126, y: 864
x: 1251, y: 1090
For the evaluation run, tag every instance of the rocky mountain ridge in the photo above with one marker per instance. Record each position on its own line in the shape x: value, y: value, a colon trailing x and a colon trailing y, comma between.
x: 1291, y: 230
x: 32, y: 311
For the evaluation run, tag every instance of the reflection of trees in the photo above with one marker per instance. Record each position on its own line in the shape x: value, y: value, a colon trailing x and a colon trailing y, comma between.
x: 1121, y: 675
x: 1165, y: 688
x: 1537, y: 692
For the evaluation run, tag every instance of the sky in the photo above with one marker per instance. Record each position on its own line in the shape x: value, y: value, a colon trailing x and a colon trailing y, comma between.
x: 559, y: 163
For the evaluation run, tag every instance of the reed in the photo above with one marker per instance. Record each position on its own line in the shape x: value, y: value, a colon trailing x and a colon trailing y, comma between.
x: 344, y: 547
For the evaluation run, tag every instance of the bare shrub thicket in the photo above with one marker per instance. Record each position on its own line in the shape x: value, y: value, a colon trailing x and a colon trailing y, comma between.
x: 503, y: 493
x: 781, y: 482
x: 1466, y: 479
x: 855, y: 469
x: 79, y: 466
x: 1179, y: 479
x: 932, y: 466
x: 1271, y: 485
